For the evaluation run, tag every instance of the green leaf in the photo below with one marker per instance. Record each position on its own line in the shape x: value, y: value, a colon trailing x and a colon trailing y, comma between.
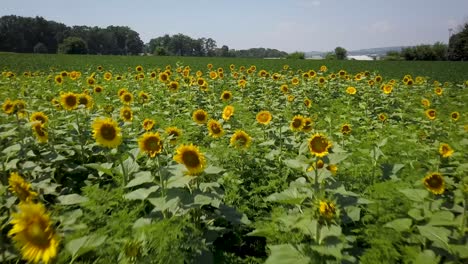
x: 130, y: 165
x: 353, y: 212
x: 427, y: 257
x: 330, y: 231
x: 296, y: 164
x: 288, y: 196
x: 415, y: 195
x: 213, y: 170
x: 102, y: 168
x: 400, y: 225
x: 460, y: 250
x: 141, y: 194
x: 202, y: 199
x: 70, y: 199
x: 140, y: 178
x: 80, y: 246
x: 12, y: 149
x: 416, y: 214
x: 435, y: 234
x: 268, y: 143
x: 329, y: 250
x: 286, y: 254
x: 443, y: 218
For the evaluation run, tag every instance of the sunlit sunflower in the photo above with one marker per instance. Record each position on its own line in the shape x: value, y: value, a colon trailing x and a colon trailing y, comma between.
x: 8, y: 107
x: 455, y: 116
x: 201, y: 81
x: 284, y: 88
x: 327, y: 210
x: 321, y: 80
x: 173, y: 133
x: 445, y: 150
x: 33, y: 233
x: 122, y: 91
x: 264, y: 117
x: 173, y: 86
x: 153, y: 75
x: 98, y: 89
x: 40, y: 132
x: 297, y: 123
x: 431, y: 114
x: 215, y: 129
x: 200, y: 116
x: 382, y: 117
x: 58, y: 79
x: 291, y: 98
x: 163, y: 77
x: 69, y: 100
x: 312, y: 74
x: 435, y: 183
x: 91, y: 81
x: 20, y: 187
x: 240, y: 140
x: 139, y: 68
x: 148, y: 124
x: 345, y: 129
x: 226, y: 96
x: 106, y: 132
x: 333, y: 168
x: 126, y: 114
x: 295, y: 81
x: 107, y: 76
x: 426, y: 103
x: 39, y: 116
x: 150, y: 143
x: 213, y: 75
x: 85, y: 100
x: 351, y: 90
x: 191, y: 157
x: 307, y: 102
x: 319, y: 145
x: 126, y: 98
x: 438, y: 90
x: 228, y: 111
x: 387, y: 89
x: 276, y: 76
x: 242, y: 83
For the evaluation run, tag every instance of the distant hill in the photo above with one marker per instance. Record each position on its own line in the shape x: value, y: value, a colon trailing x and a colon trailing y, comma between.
x: 373, y: 51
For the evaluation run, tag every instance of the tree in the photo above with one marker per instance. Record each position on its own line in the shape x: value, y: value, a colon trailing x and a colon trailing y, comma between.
x: 40, y: 48
x: 296, y: 55
x: 458, y: 45
x: 330, y: 56
x: 73, y: 45
x: 340, y: 53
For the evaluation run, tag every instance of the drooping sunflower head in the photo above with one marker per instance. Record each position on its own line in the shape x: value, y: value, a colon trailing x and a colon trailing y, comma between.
x: 34, y: 233
x: 173, y: 133
x: 382, y: 117
x: 150, y: 143
x: 345, y: 129
x: 126, y: 98
x: 284, y: 88
x: 86, y: 100
x: 426, y: 103
x: 431, y: 114
x: 148, y: 124
x: 445, y: 150
x: 240, y: 140
x: 69, y: 100
x: 126, y: 114
x: 327, y: 210
x: 264, y: 117
x: 200, y: 116
x: 39, y: 116
x: 307, y: 102
x: 8, y: 107
x: 191, y: 157
x: 106, y: 132
x: 20, y: 187
x: 107, y: 76
x: 319, y: 145
x: 455, y: 116
x: 228, y: 111
x: 40, y: 132
x: 215, y: 129
x: 351, y: 90
x: 297, y: 123
x: 226, y: 96
x: 435, y: 183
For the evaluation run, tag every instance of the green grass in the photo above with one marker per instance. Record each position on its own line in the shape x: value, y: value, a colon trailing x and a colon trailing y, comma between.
x: 444, y: 70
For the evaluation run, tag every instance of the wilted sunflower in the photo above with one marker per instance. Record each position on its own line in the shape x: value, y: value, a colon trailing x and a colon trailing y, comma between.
x: 345, y: 129
x: 34, y: 233
x: 126, y: 114
x: 150, y: 143
x: 8, y: 107
x: 69, y: 101
x: 297, y: 123
x: 228, y: 111
x: 382, y: 117
x: 435, y: 183
x: 431, y: 114
x: 327, y: 210
x: 455, y: 116
x: 148, y: 124
x: 39, y: 116
x: 226, y: 96
x: 215, y: 129
x: 20, y: 187
x: 106, y: 132
x: 40, y: 132
x: 264, y: 117
x: 126, y: 98
x: 85, y: 100
x: 240, y: 140
x: 351, y: 90
x: 200, y: 116
x: 174, y: 133
x: 445, y: 150
x: 58, y: 79
x: 173, y: 86
x: 319, y: 145
x: 191, y: 157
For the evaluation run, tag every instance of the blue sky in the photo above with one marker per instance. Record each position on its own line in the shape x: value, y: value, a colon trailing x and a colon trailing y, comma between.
x: 289, y: 25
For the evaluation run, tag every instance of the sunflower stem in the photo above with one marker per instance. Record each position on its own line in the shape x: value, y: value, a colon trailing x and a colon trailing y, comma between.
x: 316, y: 183
x: 161, y: 180
x: 80, y: 137
x: 124, y: 170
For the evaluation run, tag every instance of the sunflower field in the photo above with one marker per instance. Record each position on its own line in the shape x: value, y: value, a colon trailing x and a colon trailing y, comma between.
x: 236, y: 164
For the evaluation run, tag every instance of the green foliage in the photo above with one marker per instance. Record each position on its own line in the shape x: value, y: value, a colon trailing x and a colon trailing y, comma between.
x: 296, y: 55
x: 458, y: 45
x: 340, y: 53
x: 73, y: 45
x: 438, y: 52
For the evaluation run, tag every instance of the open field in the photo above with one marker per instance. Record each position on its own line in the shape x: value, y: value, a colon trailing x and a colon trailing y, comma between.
x: 174, y: 160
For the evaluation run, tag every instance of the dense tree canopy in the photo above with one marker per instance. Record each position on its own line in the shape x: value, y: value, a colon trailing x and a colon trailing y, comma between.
x: 458, y: 45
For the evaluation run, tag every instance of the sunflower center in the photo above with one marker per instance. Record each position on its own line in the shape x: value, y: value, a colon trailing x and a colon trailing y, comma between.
x: 434, y: 182
x: 127, y: 114
x: 191, y: 159
x: 70, y: 100
x: 83, y: 100
x: 37, y: 234
x: 200, y: 116
x: 241, y: 140
x: 108, y: 132
x: 152, y: 144
x: 39, y: 131
x: 215, y: 129
x: 127, y: 98
x: 319, y: 145
x: 297, y: 123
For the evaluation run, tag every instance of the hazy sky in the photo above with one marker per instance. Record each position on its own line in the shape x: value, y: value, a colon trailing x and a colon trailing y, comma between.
x: 289, y: 25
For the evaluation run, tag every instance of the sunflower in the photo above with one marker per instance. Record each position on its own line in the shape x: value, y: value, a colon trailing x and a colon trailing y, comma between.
x: 150, y: 143
x: 107, y: 76
x: 226, y: 96
x: 58, y: 79
x: 327, y: 210
x: 213, y: 75
x: 191, y: 157
x: 319, y: 145
x: 201, y: 81
x: 438, y: 90
x: 86, y: 100
x: 39, y: 116
x: 126, y: 98
x: 8, y: 107
x: 435, y: 183
x: 387, y: 89
x: 209, y: 66
x: 332, y: 168
x: 91, y: 81
x: 199, y: 73
x: 215, y: 129
x: 351, y: 90
x: 200, y: 116
x: 69, y: 100
x: 455, y: 116
x: 284, y: 88
x: 318, y: 164
x: 323, y: 68
x: 143, y: 97
x: 426, y: 103
x: 307, y: 124
x: 139, y: 68
x: 174, y: 133
x: 378, y: 78
x: 276, y: 76
x: 74, y: 75
x: 163, y: 77
x: 240, y: 140
x: 148, y: 124
x: 106, y: 132
x: 264, y: 117
x: 312, y: 74
x: 173, y: 86
x: 98, y: 89
x: 40, y: 132
x: 321, y: 80
x: 20, y: 187
x: 291, y: 98
x: 382, y: 117
x: 431, y: 114
x: 153, y: 75
x: 242, y: 83
x: 228, y: 111
x: 126, y: 114
x: 33, y: 233
x: 345, y: 129
x: 297, y: 123
x: 445, y: 150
